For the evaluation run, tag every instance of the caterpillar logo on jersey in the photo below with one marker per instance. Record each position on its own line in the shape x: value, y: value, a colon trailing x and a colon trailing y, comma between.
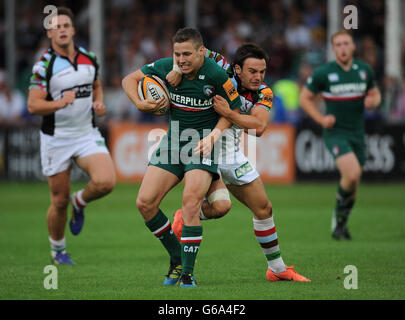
x: 230, y: 90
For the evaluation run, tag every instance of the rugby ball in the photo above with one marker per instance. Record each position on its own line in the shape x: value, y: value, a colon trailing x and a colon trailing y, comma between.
x: 152, y: 87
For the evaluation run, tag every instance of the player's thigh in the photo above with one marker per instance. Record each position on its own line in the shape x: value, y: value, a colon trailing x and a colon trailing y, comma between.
x: 156, y: 183
x: 99, y: 167
x: 196, y: 184
x: 59, y: 186
x: 253, y: 195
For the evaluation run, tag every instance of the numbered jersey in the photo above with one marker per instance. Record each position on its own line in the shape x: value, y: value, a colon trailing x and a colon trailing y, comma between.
x: 55, y: 74
x: 262, y: 98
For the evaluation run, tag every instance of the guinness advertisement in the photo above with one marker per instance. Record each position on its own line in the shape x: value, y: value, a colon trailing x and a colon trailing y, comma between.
x: 385, y: 149
x: 286, y: 154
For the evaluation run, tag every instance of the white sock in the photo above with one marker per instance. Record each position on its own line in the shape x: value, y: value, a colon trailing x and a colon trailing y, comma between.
x: 79, y: 199
x: 57, y: 245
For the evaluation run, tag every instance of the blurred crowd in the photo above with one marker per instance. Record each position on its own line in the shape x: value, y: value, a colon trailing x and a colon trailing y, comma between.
x: 293, y: 33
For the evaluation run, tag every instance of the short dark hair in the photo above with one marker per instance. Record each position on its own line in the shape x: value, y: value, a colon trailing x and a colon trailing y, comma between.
x: 249, y: 50
x: 187, y: 34
x: 339, y: 33
x: 66, y: 12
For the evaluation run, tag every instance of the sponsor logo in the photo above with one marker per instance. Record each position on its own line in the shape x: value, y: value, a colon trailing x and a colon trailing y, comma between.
x: 333, y: 77
x: 83, y: 91
x: 243, y: 170
x: 207, y: 162
x: 230, y: 90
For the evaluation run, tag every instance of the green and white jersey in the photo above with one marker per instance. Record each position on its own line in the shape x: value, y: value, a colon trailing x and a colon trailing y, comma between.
x: 192, y: 101
x: 344, y: 93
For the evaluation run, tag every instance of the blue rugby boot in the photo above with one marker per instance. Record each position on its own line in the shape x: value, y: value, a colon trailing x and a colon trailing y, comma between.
x: 77, y: 219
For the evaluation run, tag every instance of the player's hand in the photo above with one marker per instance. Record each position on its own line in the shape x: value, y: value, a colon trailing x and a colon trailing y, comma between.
x: 328, y: 121
x: 174, y: 78
x: 221, y: 106
x: 205, y: 146
x: 369, y: 102
x: 68, y: 98
x: 99, y: 108
x: 150, y: 105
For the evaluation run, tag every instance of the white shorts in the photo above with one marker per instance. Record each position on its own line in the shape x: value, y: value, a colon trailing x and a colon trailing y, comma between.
x: 240, y: 172
x: 57, y: 154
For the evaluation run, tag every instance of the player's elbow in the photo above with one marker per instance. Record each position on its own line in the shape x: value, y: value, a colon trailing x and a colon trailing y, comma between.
x: 261, y: 129
x: 124, y: 82
x: 31, y: 106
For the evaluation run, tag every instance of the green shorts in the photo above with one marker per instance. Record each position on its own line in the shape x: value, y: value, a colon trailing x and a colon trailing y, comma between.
x: 339, y: 145
x: 179, y: 162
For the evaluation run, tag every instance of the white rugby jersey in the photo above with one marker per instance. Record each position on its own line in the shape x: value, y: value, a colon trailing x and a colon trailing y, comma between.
x: 55, y: 74
x: 261, y: 98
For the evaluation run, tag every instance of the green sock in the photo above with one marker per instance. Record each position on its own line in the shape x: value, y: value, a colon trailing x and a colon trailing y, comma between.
x: 344, y: 205
x: 160, y: 226
x: 190, y: 243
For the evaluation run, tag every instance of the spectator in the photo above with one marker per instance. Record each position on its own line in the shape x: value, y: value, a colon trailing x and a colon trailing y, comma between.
x: 12, y: 104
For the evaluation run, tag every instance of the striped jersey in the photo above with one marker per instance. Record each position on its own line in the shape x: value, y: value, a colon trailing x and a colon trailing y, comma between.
x: 262, y: 98
x: 343, y: 92
x: 56, y: 74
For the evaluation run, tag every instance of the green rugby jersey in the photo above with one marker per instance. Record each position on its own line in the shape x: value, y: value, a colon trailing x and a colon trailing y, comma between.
x: 344, y: 93
x: 192, y: 101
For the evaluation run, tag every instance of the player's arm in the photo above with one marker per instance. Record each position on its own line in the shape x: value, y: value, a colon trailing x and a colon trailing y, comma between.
x: 130, y: 86
x: 37, y: 103
x: 98, y: 97
x: 373, y: 98
x: 257, y: 120
x: 307, y: 102
x: 206, y: 144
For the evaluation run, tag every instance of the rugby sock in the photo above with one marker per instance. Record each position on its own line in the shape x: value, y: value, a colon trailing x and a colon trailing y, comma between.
x: 266, y: 235
x: 344, y: 204
x: 190, y: 243
x: 57, y: 245
x: 78, y: 201
x: 160, y: 226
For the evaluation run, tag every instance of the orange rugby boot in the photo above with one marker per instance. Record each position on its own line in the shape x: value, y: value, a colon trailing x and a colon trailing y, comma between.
x: 177, y: 225
x: 290, y: 275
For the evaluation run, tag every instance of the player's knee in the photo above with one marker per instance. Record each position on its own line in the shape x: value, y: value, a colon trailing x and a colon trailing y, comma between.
x: 221, y: 207
x: 144, y: 205
x: 191, y: 204
x: 60, y: 201
x: 352, y: 179
x: 264, y: 211
x: 105, y: 185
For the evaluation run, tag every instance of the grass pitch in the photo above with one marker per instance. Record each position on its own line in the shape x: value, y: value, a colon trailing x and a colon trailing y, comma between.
x: 118, y: 258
